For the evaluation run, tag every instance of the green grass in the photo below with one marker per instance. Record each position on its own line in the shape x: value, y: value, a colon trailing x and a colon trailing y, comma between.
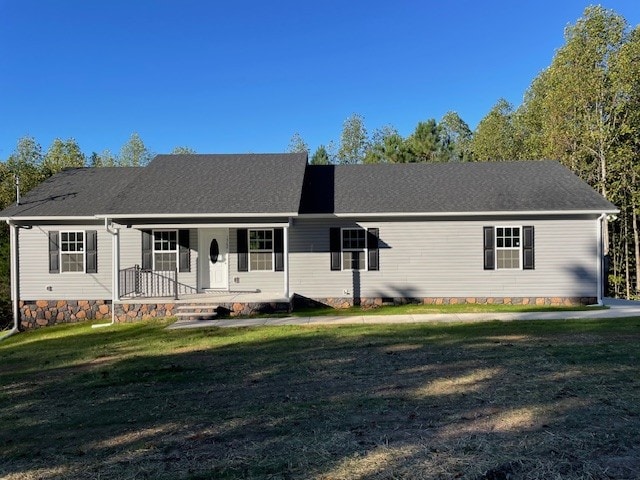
x: 422, y: 308
x: 535, y: 400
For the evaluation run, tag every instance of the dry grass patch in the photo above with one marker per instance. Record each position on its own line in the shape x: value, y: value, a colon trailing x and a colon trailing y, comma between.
x: 533, y: 400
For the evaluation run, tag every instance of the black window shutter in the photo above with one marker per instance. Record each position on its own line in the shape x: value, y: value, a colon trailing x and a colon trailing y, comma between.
x: 335, y: 248
x: 92, y: 251
x: 243, y: 250
x: 184, y: 260
x: 278, y: 248
x: 147, y: 250
x: 372, y: 247
x: 54, y: 252
x: 528, y: 243
x: 489, y: 249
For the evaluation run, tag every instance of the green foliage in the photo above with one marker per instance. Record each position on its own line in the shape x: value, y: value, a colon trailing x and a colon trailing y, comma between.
x: 183, y: 151
x: 495, y: 138
x: 424, y: 142
x: 26, y: 163
x: 104, y: 159
x: 297, y: 144
x: 61, y: 155
x: 455, y: 138
x: 387, y: 146
x: 134, y: 153
x: 353, y: 140
x: 320, y: 156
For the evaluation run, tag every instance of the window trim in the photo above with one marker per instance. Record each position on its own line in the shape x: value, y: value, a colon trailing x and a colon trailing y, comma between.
x: 272, y: 251
x: 154, y: 251
x: 365, y: 250
x: 84, y: 251
x: 519, y: 248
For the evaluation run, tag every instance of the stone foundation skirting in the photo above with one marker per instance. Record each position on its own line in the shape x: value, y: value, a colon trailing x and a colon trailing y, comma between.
x: 373, y: 302
x: 41, y: 313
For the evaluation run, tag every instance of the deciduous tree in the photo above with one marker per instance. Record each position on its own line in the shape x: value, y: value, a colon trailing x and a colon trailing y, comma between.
x: 62, y: 154
x: 353, y: 140
x: 134, y: 153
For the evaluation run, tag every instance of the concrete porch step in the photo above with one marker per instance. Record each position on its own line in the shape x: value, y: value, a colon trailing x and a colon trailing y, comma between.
x: 196, y: 315
x: 196, y: 311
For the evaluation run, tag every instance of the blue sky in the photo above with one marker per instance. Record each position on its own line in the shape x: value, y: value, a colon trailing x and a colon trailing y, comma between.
x: 243, y: 76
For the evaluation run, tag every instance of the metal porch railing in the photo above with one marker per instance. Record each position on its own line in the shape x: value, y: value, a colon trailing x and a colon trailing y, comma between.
x: 136, y: 282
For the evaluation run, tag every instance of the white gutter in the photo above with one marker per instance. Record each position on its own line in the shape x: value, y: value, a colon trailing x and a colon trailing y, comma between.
x: 600, y: 259
x: 455, y: 214
x: 44, y: 218
x: 15, y: 291
x: 115, y: 271
x: 196, y: 215
x: 204, y: 225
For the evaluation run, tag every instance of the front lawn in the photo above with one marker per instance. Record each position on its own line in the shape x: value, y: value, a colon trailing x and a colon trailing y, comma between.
x: 529, y: 400
x: 416, y: 309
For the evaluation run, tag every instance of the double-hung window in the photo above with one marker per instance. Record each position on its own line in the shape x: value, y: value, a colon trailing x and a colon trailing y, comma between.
x: 72, y: 252
x: 165, y: 250
x: 508, y: 247
x: 261, y: 250
x: 354, y: 249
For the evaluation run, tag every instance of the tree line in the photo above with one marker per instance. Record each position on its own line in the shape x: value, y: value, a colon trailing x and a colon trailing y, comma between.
x: 583, y: 110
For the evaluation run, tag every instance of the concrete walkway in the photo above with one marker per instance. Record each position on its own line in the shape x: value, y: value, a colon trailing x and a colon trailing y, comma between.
x: 617, y: 309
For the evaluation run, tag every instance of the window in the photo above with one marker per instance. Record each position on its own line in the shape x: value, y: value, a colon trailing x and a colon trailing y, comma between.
x: 72, y: 253
x: 508, y: 248
x: 354, y: 246
x: 165, y: 250
x: 261, y: 250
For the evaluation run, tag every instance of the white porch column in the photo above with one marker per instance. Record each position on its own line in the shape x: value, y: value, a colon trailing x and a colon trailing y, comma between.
x: 115, y: 252
x: 285, y: 254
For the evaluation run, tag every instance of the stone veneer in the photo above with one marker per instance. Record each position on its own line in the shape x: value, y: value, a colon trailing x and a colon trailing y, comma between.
x: 373, y: 302
x: 40, y: 313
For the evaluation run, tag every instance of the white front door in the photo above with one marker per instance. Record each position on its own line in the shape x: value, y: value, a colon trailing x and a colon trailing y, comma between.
x: 213, y: 253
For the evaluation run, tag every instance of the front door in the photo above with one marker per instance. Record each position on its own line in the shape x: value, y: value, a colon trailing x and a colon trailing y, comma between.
x: 213, y: 254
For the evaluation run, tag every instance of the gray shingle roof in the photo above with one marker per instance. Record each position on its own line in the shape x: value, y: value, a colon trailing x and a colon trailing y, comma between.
x: 74, y: 192
x: 217, y: 184
x: 283, y: 183
x: 447, y: 187
x: 173, y: 184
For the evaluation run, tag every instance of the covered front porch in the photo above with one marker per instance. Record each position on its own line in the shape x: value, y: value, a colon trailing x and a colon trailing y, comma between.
x: 242, y: 262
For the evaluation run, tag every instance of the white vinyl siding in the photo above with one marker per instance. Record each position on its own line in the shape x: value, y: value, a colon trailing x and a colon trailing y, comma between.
x: 445, y: 258
x: 36, y: 283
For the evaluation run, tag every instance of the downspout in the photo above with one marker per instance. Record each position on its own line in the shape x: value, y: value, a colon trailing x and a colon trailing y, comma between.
x: 115, y: 252
x: 285, y: 263
x: 600, y: 258
x: 13, y: 241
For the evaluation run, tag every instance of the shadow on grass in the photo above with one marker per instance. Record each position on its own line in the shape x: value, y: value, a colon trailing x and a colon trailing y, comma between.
x: 535, y: 400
